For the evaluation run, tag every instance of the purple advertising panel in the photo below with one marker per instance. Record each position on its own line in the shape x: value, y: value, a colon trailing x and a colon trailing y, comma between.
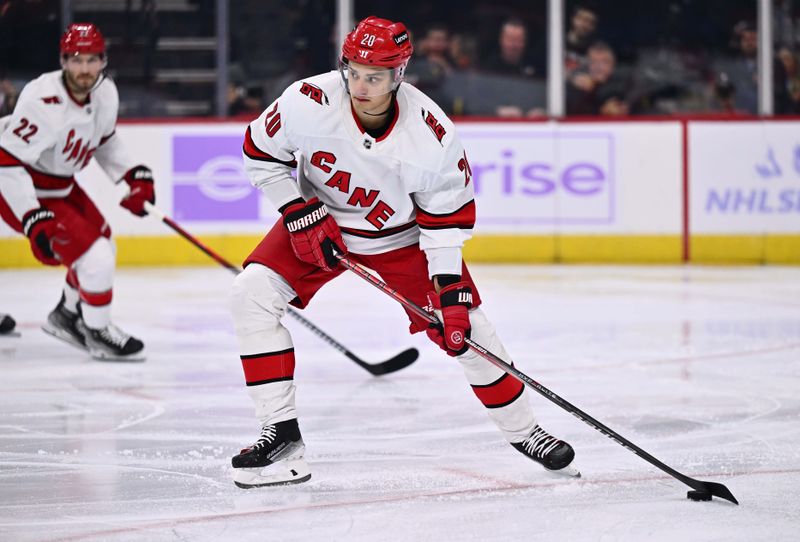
x: 209, y: 179
x: 542, y: 176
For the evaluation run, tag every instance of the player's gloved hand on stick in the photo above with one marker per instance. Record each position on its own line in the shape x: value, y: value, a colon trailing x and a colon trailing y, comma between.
x: 40, y: 226
x: 314, y: 233
x: 140, y: 180
x: 454, y: 302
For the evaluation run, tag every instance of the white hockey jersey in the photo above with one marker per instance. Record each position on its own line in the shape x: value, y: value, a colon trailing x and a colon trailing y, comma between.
x: 50, y: 137
x: 412, y: 184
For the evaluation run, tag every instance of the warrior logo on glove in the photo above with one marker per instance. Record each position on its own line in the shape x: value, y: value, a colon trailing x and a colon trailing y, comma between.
x: 314, y: 234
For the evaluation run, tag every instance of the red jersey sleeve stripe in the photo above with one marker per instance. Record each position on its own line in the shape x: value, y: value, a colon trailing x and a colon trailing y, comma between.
x: 499, y: 393
x: 254, y: 153
x: 461, y: 218
x: 8, y: 160
x: 106, y: 138
x: 268, y: 367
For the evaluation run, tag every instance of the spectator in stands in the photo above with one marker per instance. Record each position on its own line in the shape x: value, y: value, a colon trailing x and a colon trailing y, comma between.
x: 433, y: 62
x: 244, y: 96
x: 595, y: 89
x: 741, y: 71
x: 513, y: 63
x: 8, y: 97
x: 464, y: 52
x: 579, y: 37
x: 433, y: 65
x: 790, y: 82
x: 512, y: 56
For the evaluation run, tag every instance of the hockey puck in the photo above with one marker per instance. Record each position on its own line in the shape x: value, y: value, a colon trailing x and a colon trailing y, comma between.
x: 698, y: 495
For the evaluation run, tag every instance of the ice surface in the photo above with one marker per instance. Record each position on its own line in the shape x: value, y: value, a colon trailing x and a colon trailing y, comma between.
x: 698, y: 366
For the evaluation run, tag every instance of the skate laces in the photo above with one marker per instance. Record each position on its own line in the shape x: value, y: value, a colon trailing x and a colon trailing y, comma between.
x: 112, y: 334
x: 540, y: 442
x: 268, y: 433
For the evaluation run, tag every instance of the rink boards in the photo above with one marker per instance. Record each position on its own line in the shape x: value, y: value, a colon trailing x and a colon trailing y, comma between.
x: 652, y: 191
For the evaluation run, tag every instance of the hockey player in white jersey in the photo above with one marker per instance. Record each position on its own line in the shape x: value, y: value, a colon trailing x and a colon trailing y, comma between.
x: 62, y: 120
x: 383, y: 177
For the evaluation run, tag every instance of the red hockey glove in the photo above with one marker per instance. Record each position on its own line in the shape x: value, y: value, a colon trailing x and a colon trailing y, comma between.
x: 454, y: 301
x: 40, y: 226
x: 140, y: 179
x: 314, y: 234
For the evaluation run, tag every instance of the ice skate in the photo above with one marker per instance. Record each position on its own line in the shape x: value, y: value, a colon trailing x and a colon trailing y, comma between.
x: 62, y: 324
x: 553, y: 454
x: 276, y: 458
x: 111, y: 343
x: 7, y: 325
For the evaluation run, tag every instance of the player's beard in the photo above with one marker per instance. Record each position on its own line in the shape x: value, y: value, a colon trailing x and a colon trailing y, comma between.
x: 82, y: 83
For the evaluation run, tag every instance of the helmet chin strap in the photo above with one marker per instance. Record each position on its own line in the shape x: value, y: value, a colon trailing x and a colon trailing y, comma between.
x: 391, y: 105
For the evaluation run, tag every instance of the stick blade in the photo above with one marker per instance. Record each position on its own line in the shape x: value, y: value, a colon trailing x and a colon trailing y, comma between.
x: 717, y: 490
x: 400, y: 361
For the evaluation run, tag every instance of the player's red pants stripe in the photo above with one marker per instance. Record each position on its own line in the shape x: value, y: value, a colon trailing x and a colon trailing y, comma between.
x: 499, y: 393
x: 254, y: 153
x: 460, y: 218
x: 268, y: 367
x: 96, y: 299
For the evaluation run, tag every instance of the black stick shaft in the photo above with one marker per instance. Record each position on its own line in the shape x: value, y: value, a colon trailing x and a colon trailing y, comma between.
x: 236, y: 270
x: 525, y: 379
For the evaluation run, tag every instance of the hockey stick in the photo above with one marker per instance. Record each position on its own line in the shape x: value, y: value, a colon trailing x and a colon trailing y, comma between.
x: 702, y: 490
x: 400, y: 361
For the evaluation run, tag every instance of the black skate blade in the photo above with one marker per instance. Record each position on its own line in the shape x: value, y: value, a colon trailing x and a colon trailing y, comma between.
x: 63, y: 336
x: 133, y: 358
x: 271, y: 484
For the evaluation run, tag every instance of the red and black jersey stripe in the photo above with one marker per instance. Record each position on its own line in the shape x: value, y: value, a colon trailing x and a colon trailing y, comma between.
x: 370, y: 234
x: 502, y: 392
x: 254, y: 153
x: 268, y: 367
x: 463, y: 218
x: 9, y: 160
x: 47, y: 181
x: 41, y: 180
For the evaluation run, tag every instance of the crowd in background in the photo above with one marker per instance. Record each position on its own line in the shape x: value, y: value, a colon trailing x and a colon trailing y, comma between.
x: 621, y: 58
x: 485, y: 58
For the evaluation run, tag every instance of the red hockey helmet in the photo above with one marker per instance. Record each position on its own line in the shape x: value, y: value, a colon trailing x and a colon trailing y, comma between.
x: 378, y: 42
x: 83, y: 38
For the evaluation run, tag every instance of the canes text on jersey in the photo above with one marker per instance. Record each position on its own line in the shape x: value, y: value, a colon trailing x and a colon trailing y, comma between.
x: 359, y: 197
x: 79, y: 152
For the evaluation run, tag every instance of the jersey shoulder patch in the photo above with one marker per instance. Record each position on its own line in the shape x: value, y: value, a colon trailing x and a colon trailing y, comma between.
x: 314, y: 93
x: 433, y: 125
